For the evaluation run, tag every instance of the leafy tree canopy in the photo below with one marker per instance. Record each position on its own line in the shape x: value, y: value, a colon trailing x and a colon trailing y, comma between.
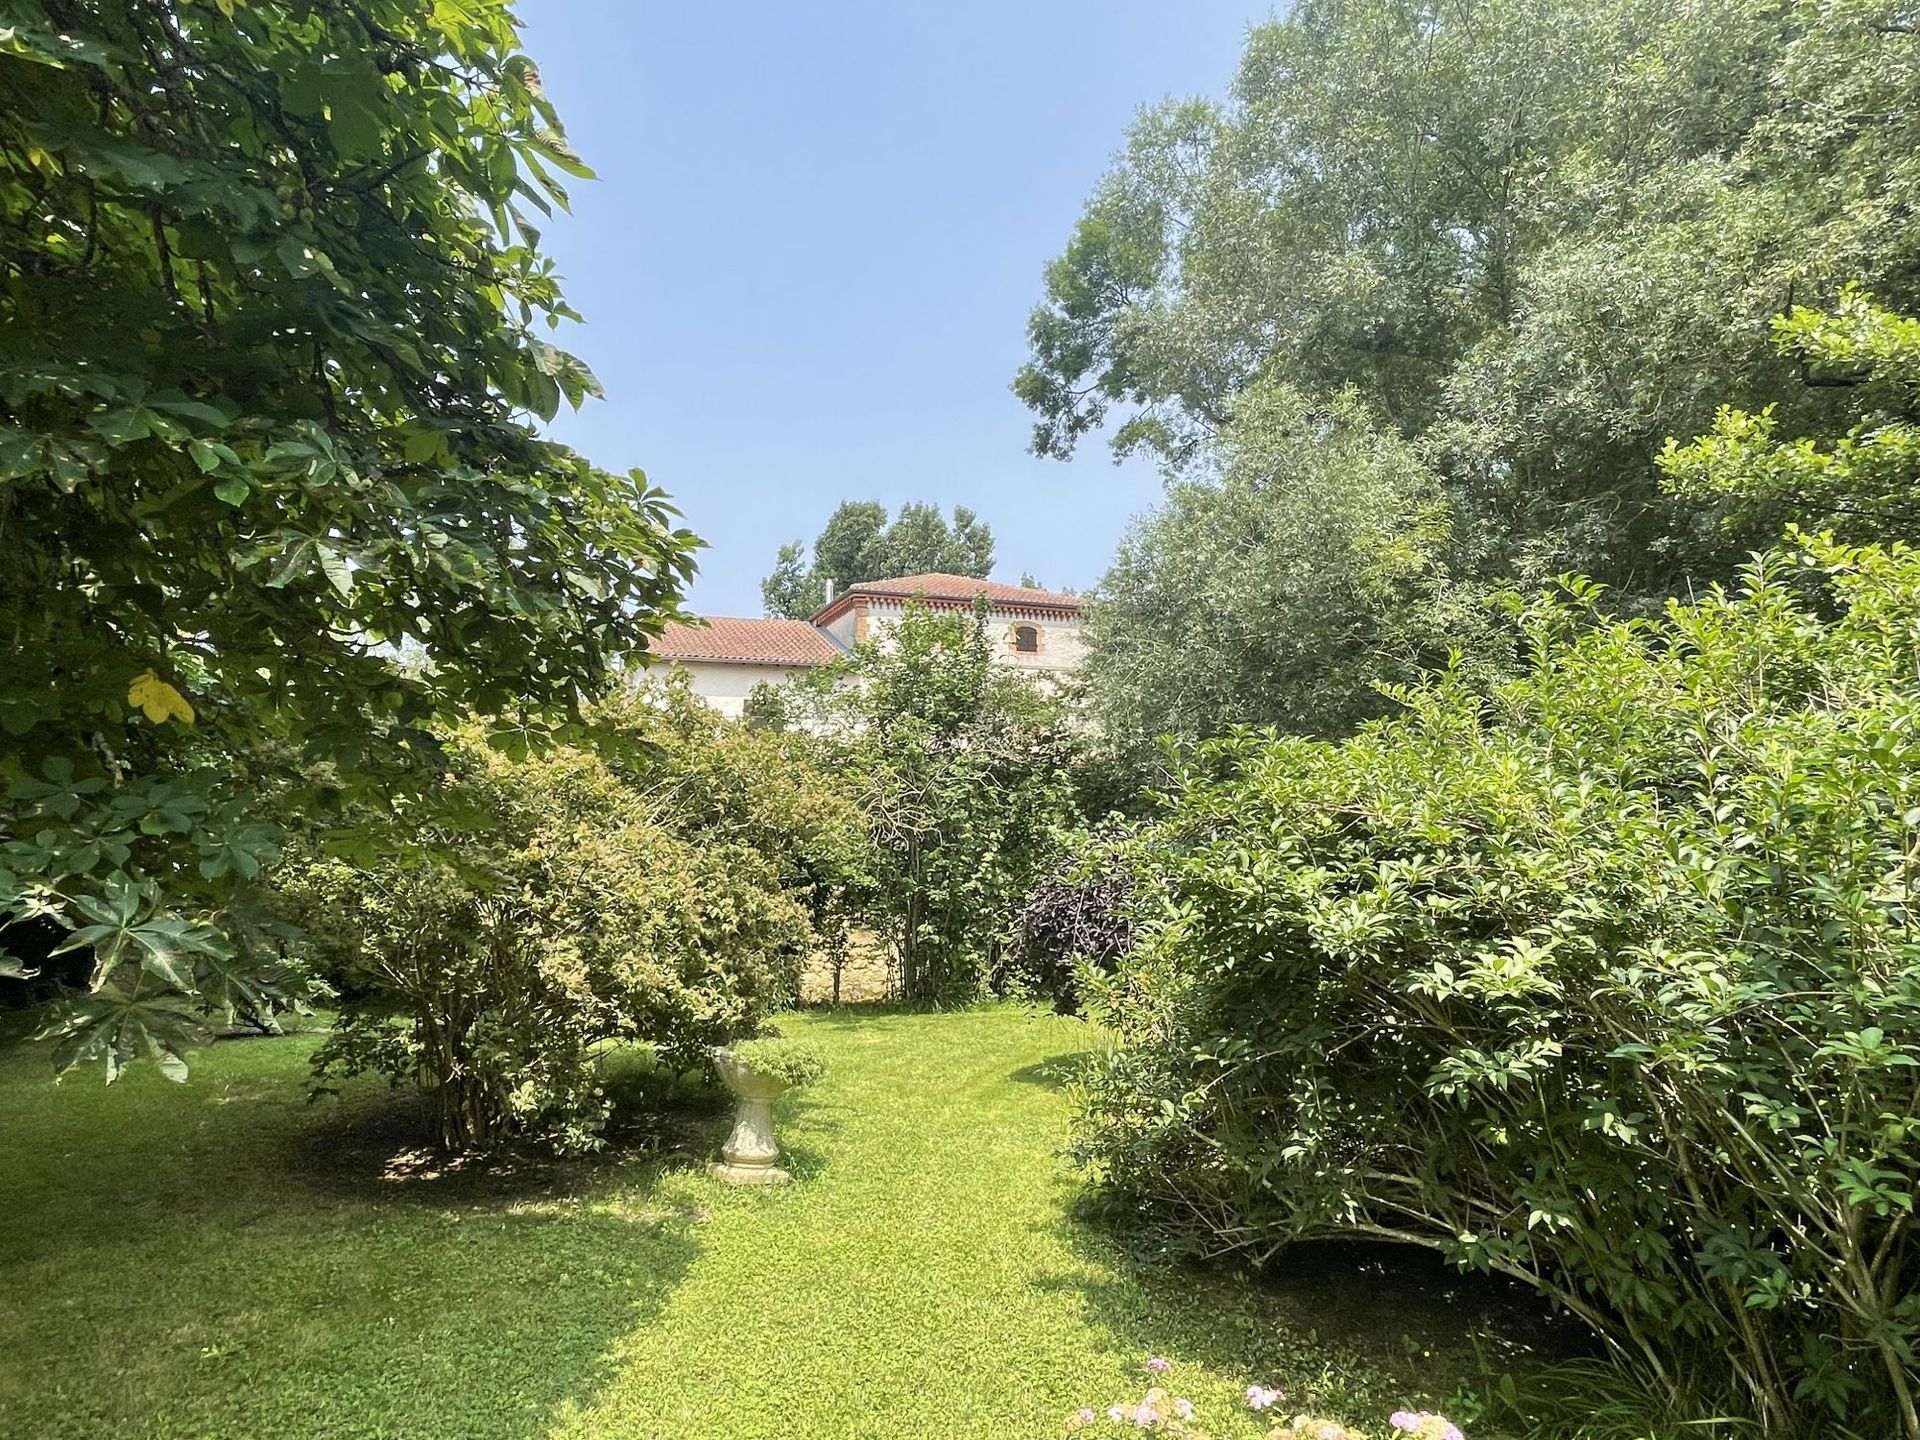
x: 963, y: 772
x: 269, y: 376
x: 1538, y: 237
x: 859, y: 543
x: 1865, y: 482
x: 1279, y: 587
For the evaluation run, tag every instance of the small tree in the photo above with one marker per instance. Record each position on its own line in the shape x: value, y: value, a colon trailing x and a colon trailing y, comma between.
x: 962, y: 769
x: 766, y: 788
x: 1280, y: 590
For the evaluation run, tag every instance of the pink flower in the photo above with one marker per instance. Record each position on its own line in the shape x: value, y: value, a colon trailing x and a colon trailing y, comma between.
x: 1183, y: 1409
x: 1259, y: 1397
x: 1159, y: 1364
x: 1085, y: 1417
x: 1117, y: 1414
x: 1425, y: 1424
x: 1145, y: 1416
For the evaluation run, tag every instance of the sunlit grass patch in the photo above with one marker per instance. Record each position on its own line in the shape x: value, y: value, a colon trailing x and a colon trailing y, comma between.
x: 223, y: 1260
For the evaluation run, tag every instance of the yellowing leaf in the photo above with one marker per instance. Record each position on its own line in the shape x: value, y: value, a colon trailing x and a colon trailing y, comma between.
x: 158, y: 700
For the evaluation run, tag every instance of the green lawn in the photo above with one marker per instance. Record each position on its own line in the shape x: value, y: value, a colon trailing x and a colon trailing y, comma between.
x: 224, y: 1260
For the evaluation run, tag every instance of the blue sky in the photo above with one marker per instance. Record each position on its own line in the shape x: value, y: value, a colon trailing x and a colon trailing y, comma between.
x: 807, y: 264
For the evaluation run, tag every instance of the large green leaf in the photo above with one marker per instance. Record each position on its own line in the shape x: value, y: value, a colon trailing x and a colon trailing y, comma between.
x: 311, y: 506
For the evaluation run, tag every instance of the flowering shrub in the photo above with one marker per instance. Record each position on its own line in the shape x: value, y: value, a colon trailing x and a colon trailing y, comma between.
x: 1314, y: 1427
x: 1156, y: 1412
x: 1418, y: 1426
x: 1424, y: 1425
x: 1159, y: 1412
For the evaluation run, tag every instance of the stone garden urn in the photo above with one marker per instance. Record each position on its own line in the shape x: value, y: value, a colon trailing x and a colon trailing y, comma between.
x: 747, y: 1157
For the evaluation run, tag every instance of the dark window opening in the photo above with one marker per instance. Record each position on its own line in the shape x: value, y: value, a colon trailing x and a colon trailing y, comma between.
x: 1026, y: 639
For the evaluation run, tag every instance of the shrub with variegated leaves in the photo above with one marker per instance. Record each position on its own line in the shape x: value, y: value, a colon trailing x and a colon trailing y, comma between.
x: 541, y: 909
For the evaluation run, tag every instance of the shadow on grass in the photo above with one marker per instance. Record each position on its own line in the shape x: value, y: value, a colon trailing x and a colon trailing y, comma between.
x: 1056, y: 1072
x: 374, y: 1147
x: 1386, y: 1324
x: 850, y: 1014
x: 284, y: 1262
x: 853, y: 1014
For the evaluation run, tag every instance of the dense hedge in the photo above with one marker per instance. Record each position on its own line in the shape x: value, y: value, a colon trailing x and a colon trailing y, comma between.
x: 1608, y: 979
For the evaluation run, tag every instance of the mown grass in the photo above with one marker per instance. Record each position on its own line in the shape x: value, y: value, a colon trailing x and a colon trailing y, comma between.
x: 224, y: 1260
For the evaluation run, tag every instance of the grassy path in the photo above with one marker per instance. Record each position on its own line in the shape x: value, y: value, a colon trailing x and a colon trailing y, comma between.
x: 221, y: 1260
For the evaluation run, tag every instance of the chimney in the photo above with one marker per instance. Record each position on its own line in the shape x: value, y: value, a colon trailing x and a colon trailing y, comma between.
x: 829, y: 599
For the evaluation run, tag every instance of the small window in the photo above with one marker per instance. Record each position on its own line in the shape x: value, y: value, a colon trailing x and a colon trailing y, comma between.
x: 1026, y: 639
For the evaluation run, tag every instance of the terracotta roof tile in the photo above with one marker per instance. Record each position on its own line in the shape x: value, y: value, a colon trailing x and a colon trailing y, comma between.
x: 746, y: 642
x: 959, y: 588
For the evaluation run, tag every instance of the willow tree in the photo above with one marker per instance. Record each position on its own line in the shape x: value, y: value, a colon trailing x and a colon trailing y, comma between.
x: 273, y: 499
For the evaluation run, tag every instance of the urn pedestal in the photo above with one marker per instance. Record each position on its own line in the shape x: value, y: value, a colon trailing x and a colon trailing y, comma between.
x: 748, y: 1155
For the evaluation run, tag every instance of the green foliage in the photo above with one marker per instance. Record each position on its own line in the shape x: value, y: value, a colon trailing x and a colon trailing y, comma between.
x: 859, y: 544
x: 1078, y: 915
x: 963, y: 771
x: 551, y: 906
x: 272, y: 359
x: 1281, y: 590
x: 1865, y: 484
x: 1606, y: 979
x: 767, y: 790
x: 797, y: 1062
x: 1585, y: 1400
x: 1531, y: 238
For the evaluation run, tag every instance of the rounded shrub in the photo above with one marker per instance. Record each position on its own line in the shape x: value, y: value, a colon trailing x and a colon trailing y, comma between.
x: 1079, y: 915
x: 542, y: 908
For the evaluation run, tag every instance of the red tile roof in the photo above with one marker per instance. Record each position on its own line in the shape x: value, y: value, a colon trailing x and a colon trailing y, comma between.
x: 953, y: 589
x: 746, y: 642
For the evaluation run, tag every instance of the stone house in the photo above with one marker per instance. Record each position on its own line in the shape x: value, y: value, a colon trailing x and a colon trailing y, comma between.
x: 1034, y: 630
